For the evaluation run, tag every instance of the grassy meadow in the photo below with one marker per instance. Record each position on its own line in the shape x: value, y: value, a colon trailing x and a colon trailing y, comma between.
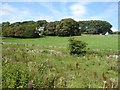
x: 94, y: 41
x: 46, y: 62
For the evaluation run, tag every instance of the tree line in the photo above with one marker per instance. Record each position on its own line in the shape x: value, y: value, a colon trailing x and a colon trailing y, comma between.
x: 64, y: 27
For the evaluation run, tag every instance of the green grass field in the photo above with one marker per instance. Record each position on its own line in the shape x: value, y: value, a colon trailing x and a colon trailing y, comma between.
x: 22, y: 63
x: 94, y: 41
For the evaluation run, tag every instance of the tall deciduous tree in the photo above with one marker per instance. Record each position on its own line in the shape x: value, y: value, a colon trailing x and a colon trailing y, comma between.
x: 68, y: 27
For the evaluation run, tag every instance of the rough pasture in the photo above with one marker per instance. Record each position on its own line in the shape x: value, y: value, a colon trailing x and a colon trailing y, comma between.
x: 22, y: 64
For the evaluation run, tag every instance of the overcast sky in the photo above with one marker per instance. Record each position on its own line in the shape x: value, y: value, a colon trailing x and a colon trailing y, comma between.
x: 52, y: 11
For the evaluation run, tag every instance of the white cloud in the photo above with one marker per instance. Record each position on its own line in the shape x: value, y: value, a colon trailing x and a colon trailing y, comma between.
x: 78, y: 9
x: 41, y: 17
x: 57, y: 13
x: 5, y: 9
x: 14, y: 14
x: 114, y: 29
x: 51, y: 8
x: 8, y: 10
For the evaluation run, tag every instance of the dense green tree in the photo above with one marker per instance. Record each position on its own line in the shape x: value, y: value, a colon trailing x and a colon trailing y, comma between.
x: 50, y: 29
x: 5, y: 28
x: 20, y: 29
x: 64, y: 27
x: 95, y: 27
x: 41, y: 23
x: 5, y: 25
x: 29, y: 29
x: 68, y: 27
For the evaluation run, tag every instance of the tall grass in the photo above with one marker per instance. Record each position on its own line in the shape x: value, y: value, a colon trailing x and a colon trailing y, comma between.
x: 23, y: 69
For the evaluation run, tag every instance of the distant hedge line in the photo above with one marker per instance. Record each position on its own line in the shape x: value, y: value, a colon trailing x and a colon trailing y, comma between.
x: 64, y: 27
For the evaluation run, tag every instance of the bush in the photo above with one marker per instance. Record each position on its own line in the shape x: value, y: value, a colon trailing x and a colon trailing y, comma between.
x: 77, y: 47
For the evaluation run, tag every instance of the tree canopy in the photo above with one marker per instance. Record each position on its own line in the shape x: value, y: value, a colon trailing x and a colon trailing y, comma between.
x: 95, y: 27
x: 64, y: 27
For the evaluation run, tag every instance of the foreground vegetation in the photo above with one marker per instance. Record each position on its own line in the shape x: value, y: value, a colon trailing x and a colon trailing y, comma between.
x: 49, y: 64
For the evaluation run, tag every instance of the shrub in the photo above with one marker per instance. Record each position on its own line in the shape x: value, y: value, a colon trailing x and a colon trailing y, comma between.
x: 77, y: 47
